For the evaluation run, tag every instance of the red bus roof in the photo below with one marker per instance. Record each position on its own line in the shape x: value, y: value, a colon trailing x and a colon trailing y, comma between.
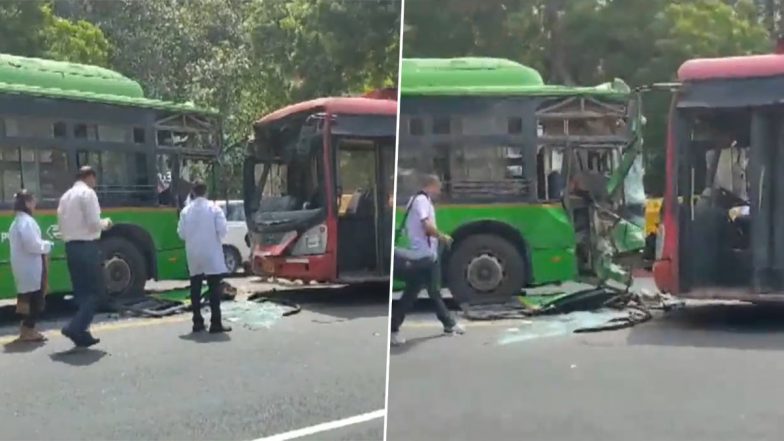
x: 335, y: 105
x: 750, y: 66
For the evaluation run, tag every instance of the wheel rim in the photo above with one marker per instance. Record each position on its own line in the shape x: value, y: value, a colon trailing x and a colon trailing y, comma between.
x: 485, y: 272
x: 231, y: 262
x: 117, y: 273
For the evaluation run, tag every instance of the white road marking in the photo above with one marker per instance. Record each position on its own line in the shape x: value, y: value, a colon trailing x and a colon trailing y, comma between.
x: 324, y: 427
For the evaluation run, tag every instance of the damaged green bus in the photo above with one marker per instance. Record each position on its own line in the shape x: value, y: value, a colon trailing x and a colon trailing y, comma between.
x: 542, y: 183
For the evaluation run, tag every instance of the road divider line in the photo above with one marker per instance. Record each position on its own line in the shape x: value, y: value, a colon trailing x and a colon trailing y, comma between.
x: 324, y: 427
x: 112, y: 326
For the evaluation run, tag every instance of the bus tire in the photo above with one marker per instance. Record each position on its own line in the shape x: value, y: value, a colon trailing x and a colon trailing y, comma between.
x: 485, y: 267
x: 125, y: 270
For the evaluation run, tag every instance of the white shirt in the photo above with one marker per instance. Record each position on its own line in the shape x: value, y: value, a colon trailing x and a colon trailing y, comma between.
x: 79, y: 214
x: 203, y: 226
x: 27, y: 247
x: 421, y: 210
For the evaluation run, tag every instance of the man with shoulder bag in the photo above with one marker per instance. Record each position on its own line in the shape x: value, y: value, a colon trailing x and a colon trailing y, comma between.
x: 419, y: 265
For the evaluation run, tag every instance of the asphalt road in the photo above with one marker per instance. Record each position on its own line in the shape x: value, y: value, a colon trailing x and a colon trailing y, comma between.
x: 709, y: 372
x: 149, y: 379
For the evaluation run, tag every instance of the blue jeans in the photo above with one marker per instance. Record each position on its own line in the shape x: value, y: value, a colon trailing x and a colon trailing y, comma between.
x: 85, y: 267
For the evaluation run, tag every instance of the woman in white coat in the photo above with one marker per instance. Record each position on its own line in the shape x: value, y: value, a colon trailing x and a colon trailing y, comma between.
x: 28, y: 254
x: 203, y: 227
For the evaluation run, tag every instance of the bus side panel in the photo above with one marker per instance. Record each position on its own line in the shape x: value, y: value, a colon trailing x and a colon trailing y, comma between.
x: 160, y: 224
x: 546, y: 229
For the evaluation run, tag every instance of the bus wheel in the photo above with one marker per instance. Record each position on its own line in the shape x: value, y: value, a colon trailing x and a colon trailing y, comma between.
x: 124, y: 268
x: 485, y: 267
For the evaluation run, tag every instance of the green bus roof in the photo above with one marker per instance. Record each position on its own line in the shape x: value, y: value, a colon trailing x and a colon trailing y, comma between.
x: 488, y: 76
x: 79, y: 82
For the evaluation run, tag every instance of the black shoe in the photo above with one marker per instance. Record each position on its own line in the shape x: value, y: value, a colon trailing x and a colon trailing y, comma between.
x: 80, y: 341
x: 87, y: 341
x: 69, y: 335
x: 199, y: 327
x: 219, y: 328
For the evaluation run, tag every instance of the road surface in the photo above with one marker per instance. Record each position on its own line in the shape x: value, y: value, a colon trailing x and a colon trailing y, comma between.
x: 150, y: 379
x: 710, y: 372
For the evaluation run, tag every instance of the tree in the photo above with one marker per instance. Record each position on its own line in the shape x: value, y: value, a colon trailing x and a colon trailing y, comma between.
x: 325, y: 47
x: 29, y: 28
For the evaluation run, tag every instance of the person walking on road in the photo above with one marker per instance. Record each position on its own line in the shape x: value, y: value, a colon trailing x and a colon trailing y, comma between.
x: 426, y: 242
x: 28, y: 264
x: 81, y: 226
x: 203, y: 227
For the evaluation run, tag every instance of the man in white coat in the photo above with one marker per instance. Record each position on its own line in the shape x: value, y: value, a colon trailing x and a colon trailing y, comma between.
x: 203, y: 227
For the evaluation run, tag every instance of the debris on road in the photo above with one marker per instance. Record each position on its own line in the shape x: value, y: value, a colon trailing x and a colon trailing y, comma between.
x: 590, y: 310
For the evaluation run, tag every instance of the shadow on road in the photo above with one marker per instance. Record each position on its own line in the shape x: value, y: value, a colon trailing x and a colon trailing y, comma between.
x: 18, y: 347
x: 58, y: 310
x: 411, y: 343
x: 78, y: 356
x: 734, y: 326
x: 205, y: 337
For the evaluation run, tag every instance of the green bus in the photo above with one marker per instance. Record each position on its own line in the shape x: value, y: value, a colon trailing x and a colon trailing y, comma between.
x: 542, y: 183
x: 56, y: 117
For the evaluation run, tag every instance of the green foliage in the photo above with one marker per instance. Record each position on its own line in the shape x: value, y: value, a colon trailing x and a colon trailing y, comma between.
x: 29, y: 28
x: 20, y: 25
x: 74, y: 41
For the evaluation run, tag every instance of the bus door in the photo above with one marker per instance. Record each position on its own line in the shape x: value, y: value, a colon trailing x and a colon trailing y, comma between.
x: 386, y: 182
x: 360, y: 210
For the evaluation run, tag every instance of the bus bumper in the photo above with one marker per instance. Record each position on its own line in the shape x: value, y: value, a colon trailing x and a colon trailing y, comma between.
x: 307, y: 268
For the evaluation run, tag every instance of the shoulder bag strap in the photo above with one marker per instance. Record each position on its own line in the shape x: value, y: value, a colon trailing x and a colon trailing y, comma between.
x: 399, y: 230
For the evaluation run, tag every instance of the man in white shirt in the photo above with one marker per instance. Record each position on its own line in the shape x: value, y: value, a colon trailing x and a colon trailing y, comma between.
x: 80, y: 224
x: 203, y: 227
x: 424, y: 239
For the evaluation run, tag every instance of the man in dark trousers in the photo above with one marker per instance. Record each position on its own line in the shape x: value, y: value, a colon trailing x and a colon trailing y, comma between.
x: 425, y: 242
x: 203, y: 226
x: 80, y: 224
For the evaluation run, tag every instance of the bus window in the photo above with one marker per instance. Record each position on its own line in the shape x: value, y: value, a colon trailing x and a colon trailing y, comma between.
x: 43, y: 172
x: 54, y: 174
x: 29, y: 127
x: 11, y: 178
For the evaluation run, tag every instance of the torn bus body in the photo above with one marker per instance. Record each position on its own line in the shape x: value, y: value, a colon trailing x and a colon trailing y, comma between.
x: 722, y: 232
x: 598, y: 144
x: 542, y: 183
x: 317, y: 183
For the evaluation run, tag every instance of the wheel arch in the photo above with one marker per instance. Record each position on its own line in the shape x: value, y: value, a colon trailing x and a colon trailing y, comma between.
x: 139, y: 237
x: 496, y: 228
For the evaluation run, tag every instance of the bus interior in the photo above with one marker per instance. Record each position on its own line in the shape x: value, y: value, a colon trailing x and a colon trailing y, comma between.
x: 732, y: 231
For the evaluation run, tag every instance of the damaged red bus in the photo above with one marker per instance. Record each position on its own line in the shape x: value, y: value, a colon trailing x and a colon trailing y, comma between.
x: 722, y: 229
x: 317, y: 182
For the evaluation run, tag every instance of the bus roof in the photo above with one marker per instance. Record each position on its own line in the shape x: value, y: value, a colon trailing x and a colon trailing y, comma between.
x: 79, y: 82
x: 749, y: 66
x: 487, y: 76
x: 344, y: 105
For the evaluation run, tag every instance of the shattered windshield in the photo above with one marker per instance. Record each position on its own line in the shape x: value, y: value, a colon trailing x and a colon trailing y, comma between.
x: 291, y: 186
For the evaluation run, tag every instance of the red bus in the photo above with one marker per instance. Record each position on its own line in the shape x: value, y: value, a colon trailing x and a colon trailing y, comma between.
x: 318, y: 183
x: 722, y: 229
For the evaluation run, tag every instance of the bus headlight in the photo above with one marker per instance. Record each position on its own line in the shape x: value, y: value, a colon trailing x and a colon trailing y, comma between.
x: 312, y: 241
